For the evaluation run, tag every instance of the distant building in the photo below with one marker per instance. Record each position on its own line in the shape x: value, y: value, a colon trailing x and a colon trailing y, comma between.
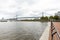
x: 3, y: 20
x: 58, y: 13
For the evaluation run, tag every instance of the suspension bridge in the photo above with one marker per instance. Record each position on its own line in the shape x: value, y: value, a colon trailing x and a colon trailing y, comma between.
x: 43, y: 13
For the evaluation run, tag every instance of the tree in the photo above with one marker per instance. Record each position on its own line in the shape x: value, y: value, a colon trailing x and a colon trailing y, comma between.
x: 51, y: 17
x: 46, y: 18
x: 56, y: 17
x: 42, y: 18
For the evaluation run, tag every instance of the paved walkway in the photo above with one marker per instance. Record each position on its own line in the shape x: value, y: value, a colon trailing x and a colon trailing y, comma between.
x: 57, y: 28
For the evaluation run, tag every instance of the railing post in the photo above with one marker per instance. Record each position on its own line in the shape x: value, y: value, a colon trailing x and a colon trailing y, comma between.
x: 51, y: 30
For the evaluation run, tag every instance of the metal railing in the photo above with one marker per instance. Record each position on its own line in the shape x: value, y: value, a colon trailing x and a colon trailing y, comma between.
x: 54, y: 31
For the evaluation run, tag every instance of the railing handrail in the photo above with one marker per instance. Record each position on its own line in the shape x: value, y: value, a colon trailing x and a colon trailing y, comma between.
x: 58, y: 35
x: 57, y: 32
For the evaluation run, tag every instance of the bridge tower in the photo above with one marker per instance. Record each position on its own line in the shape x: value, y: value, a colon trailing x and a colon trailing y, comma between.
x: 42, y: 14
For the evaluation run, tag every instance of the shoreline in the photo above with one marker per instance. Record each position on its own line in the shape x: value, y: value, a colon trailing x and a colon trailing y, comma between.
x: 45, y: 34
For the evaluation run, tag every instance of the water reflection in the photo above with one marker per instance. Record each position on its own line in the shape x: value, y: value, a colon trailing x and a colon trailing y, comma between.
x: 22, y: 30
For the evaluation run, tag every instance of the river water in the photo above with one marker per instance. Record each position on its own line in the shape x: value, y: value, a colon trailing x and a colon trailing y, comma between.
x: 22, y: 30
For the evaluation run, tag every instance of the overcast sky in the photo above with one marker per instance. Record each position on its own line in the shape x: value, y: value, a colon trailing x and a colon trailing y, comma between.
x: 28, y: 8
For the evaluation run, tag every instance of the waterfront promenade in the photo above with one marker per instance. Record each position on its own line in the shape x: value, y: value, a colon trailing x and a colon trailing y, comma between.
x: 54, y: 33
x: 57, y: 25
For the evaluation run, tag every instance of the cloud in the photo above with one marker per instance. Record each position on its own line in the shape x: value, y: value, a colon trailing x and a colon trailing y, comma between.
x: 25, y: 8
x: 38, y: 6
x: 7, y: 8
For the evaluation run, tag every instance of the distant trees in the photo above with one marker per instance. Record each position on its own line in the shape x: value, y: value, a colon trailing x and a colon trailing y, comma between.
x: 51, y: 17
x: 46, y: 18
x: 42, y: 18
x: 56, y: 17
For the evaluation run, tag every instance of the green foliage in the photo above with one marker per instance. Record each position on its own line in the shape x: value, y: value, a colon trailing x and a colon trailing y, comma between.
x: 51, y: 17
x: 56, y: 17
x: 44, y: 18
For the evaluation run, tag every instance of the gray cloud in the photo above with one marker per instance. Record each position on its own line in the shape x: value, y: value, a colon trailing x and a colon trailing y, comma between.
x: 27, y: 7
x: 28, y: 1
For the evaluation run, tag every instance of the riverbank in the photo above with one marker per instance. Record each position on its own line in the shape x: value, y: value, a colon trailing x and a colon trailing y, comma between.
x: 42, y: 20
x: 45, y: 34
